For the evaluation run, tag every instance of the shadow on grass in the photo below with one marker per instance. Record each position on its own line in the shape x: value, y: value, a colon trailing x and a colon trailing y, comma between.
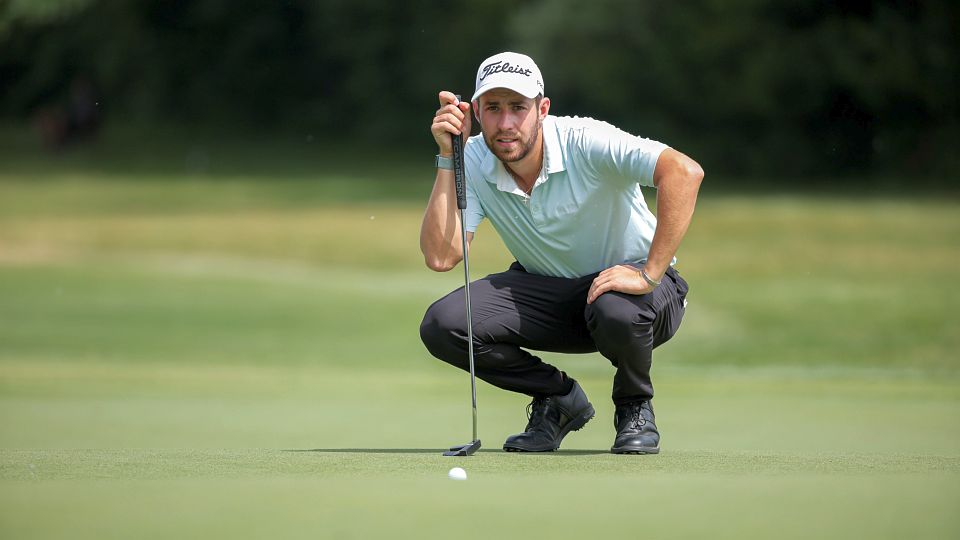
x: 558, y: 453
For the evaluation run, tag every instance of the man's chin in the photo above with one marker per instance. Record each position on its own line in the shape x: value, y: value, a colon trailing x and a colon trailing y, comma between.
x: 509, y: 156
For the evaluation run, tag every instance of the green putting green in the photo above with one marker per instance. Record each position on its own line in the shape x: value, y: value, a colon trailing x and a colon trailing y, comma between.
x: 240, y: 358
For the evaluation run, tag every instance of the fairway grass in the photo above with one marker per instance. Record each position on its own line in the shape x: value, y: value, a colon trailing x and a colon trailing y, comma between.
x: 159, y: 451
x: 673, y: 504
x: 240, y: 359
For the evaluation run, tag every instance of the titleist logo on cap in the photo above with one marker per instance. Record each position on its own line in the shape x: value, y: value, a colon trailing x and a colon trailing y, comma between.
x: 503, y: 67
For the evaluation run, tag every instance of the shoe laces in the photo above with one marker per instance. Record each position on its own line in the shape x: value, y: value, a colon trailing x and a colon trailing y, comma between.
x: 637, y: 421
x: 536, y: 411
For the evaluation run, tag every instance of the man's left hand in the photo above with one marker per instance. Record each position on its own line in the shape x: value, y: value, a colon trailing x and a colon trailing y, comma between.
x: 621, y: 278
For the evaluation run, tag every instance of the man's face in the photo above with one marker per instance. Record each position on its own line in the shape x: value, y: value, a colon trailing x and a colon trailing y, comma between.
x: 510, y: 123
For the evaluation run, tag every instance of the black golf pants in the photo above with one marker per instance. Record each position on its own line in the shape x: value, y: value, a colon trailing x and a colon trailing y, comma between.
x: 514, y: 311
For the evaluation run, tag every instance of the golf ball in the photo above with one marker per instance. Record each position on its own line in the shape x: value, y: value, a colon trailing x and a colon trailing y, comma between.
x: 457, y: 473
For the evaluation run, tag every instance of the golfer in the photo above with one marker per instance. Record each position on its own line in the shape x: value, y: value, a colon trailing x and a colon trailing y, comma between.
x: 594, y: 267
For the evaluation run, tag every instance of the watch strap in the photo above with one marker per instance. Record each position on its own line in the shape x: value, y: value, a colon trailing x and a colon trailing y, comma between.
x: 443, y: 162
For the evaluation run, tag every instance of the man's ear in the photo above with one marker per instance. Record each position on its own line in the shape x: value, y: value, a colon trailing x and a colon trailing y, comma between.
x: 544, y: 107
x: 476, y: 111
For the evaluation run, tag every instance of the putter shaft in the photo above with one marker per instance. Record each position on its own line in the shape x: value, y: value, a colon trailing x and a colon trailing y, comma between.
x: 466, y: 290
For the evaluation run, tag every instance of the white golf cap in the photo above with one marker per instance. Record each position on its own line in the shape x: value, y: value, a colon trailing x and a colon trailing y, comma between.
x: 511, y: 70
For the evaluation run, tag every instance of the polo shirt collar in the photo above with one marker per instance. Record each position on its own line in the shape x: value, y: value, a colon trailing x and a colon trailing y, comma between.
x: 553, y: 158
x: 553, y: 153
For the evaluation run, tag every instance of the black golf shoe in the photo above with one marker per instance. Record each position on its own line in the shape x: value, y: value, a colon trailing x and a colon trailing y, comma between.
x: 636, y: 429
x: 550, y: 419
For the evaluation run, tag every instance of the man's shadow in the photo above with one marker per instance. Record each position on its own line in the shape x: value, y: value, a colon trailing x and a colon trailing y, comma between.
x: 559, y: 453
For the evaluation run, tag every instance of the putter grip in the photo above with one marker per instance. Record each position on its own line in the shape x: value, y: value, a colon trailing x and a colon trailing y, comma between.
x: 458, y: 175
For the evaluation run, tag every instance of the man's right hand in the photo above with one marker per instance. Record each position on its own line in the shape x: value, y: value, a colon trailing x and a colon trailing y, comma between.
x: 452, y: 118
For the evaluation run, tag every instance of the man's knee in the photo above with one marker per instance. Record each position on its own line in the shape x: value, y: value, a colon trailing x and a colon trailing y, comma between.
x: 618, y: 316
x: 441, y: 330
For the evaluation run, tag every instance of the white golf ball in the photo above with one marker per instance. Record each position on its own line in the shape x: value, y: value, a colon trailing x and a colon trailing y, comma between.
x: 457, y: 473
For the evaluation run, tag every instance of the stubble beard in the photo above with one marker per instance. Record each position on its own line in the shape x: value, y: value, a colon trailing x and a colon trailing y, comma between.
x: 526, y: 145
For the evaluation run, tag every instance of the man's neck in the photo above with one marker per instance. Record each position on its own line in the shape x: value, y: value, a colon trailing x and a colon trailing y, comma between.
x: 526, y: 171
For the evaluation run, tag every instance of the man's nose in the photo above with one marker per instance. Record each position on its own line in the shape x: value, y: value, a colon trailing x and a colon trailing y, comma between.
x: 505, y: 122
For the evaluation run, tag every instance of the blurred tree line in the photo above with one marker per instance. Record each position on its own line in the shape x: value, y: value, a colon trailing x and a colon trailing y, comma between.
x: 778, y: 88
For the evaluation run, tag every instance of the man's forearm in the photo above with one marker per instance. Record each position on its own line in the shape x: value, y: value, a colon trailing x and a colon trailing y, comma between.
x: 676, y: 199
x: 441, y: 228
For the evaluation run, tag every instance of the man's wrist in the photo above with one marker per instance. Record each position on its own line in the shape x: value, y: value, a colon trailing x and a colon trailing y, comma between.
x: 443, y: 162
x: 649, y: 279
x: 655, y: 269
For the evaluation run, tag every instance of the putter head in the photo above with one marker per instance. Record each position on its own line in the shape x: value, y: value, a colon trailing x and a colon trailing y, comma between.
x: 465, y: 450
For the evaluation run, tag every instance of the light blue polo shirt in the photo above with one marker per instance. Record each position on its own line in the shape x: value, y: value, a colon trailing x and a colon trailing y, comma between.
x: 585, y: 212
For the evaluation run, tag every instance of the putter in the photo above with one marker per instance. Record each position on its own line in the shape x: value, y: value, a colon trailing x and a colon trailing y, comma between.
x: 458, y: 175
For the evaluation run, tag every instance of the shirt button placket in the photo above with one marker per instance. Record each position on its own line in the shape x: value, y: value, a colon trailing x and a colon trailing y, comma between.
x: 535, y: 211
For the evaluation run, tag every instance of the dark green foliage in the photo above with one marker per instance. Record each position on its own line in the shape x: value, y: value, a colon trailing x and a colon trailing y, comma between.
x: 762, y: 87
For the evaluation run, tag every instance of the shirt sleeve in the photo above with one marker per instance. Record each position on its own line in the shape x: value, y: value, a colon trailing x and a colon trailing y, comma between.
x: 474, y: 214
x: 616, y: 154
